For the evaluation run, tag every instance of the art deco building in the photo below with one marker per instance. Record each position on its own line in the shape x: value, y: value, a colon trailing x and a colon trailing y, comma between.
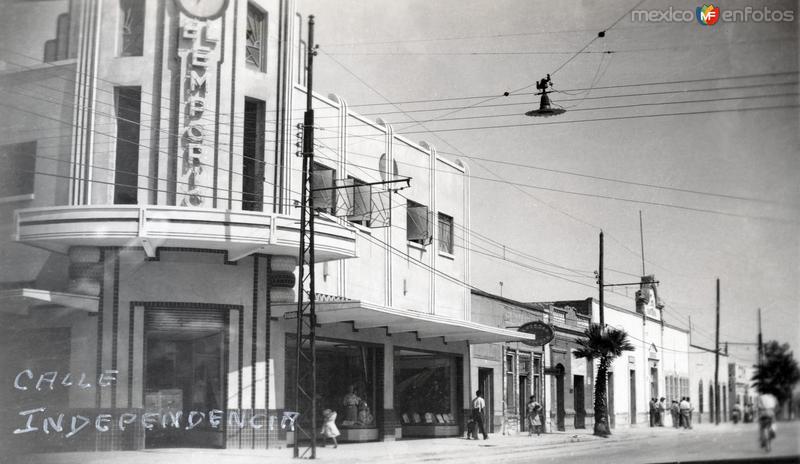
x: 150, y: 237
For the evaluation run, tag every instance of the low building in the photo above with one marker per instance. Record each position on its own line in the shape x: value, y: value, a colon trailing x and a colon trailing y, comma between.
x: 702, y: 364
x: 658, y: 366
x: 507, y: 373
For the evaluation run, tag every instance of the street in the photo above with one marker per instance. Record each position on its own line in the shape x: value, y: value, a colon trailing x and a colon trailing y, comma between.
x: 706, y: 442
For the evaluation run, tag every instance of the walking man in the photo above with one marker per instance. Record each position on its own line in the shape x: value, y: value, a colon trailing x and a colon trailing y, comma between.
x: 478, y: 407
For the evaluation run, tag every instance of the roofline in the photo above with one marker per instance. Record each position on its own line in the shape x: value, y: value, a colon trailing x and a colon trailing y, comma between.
x: 522, y: 305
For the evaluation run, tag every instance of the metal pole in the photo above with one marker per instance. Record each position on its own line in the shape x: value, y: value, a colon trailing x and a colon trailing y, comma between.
x: 305, y: 354
x: 716, y: 365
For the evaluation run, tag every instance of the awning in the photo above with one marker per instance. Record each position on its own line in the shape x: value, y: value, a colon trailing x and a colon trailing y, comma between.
x: 21, y: 300
x: 367, y: 315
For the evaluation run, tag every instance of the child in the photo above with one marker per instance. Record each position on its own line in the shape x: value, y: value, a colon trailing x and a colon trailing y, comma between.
x: 329, y: 429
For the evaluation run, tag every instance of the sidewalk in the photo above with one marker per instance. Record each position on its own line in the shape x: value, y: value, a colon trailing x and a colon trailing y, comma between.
x: 403, y: 451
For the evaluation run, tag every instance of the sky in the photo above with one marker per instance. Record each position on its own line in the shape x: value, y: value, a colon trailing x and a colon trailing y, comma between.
x: 722, y: 197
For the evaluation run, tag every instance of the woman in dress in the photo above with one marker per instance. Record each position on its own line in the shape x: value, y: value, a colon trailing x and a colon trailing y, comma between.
x: 329, y: 429
x: 533, y: 409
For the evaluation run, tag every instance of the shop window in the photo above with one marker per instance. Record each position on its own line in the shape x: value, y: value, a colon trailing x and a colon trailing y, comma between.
x: 17, y: 166
x: 128, y: 104
x: 417, y: 223
x: 424, y: 389
x: 256, y: 38
x: 322, y: 182
x: 253, y: 155
x: 131, y: 27
x: 445, y: 233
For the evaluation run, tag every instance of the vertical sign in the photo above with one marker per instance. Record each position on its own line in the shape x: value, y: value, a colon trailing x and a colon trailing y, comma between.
x: 198, y: 53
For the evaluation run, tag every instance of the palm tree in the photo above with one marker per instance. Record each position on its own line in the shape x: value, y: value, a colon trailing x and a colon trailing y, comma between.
x: 778, y: 373
x: 604, y: 344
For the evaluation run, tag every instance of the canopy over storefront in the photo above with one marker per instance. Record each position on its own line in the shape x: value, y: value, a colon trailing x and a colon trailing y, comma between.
x: 367, y: 315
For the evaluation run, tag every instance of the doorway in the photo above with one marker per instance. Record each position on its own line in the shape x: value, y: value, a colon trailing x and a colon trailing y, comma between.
x: 184, y: 372
x: 654, y: 382
x: 560, y: 412
x: 486, y: 385
x: 578, y: 399
x: 610, y: 395
x: 524, y: 385
x: 633, y: 395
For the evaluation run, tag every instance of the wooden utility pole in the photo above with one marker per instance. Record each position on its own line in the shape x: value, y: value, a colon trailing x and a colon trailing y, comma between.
x: 600, y: 282
x: 760, y: 341
x: 716, y: 365
x: 641, y: 241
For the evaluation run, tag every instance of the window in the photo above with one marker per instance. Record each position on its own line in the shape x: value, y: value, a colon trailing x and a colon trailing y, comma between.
x: 355, y: 201
x: 417, y: 223
x: 253, y: 155
x: 131, y: 27
x: 302, y: 51
x: 17, y: 166
x: 128, y: 103
x: 324, y: 178
x: 445, y: 233
x: 256, y: 46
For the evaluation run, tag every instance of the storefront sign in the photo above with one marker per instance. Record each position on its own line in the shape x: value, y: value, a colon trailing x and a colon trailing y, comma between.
x: 197, y: 51
x: 542, y: 331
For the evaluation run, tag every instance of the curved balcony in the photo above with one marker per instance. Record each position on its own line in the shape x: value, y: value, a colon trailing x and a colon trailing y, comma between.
x: 240, y: 233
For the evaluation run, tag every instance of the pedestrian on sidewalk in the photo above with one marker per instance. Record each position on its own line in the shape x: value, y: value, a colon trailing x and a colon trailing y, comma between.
x: 329, y: 429
x: 653, y: 412
x: 686, y: 412
x: 478, y: 408
x: 662, y: 411
x: 675, y: 411
x: 533, y: 409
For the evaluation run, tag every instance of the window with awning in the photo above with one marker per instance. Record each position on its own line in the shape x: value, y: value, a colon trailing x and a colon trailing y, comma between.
x: 322, y: 182
x: 418, y: 223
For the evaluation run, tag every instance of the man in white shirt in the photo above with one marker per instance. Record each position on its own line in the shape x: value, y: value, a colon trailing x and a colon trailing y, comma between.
x: 478, y: 407
x: 766, y: 405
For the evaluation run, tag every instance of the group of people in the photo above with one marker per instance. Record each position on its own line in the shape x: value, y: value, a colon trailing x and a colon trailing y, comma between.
x: 680, y: 412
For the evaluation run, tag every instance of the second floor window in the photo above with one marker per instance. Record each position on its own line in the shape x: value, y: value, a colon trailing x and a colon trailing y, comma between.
x: 256, y: 46
x: 322, y: 180
x: 445, y: 233
x: 131, y: 27
x: 417, y: 223
x: 17, y: 166
x: 356, y: 201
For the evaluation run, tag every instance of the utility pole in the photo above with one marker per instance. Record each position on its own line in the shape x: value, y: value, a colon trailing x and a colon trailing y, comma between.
x: 716, y: 365
x: 760, y: 341
x: 641, y: 241
x: 306, y: 355
x: 600, y: 282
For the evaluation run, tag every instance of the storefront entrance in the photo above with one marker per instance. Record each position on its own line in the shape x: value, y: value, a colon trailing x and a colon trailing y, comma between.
x: 184, y: 372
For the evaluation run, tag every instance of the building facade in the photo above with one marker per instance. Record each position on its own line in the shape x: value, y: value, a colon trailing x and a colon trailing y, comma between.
x: 508, y: 373
x: 149, y: 154
x: 658, y: 366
